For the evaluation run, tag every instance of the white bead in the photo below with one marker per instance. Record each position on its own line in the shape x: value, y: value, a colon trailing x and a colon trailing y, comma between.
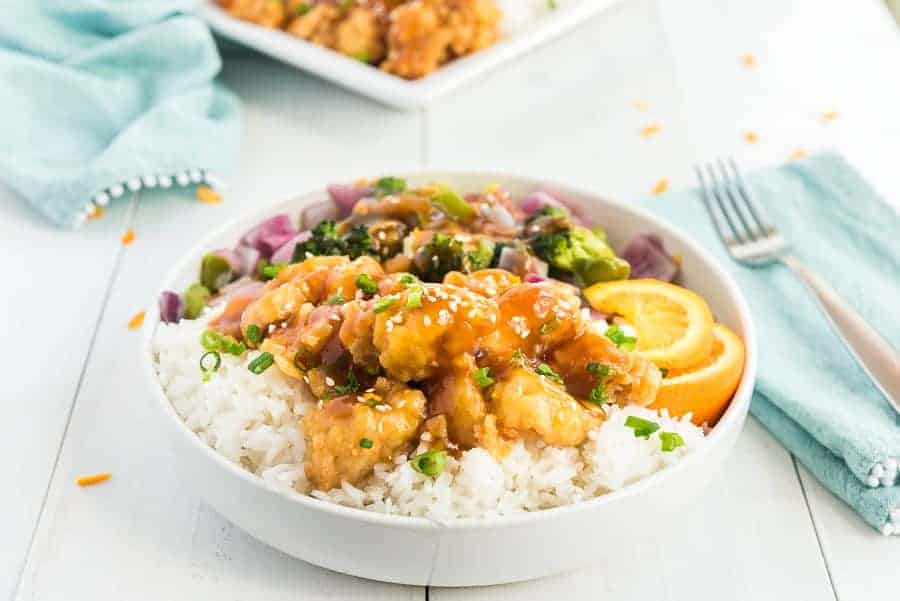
x: 79, y: 219
x: 872, y: 482
x: 183, y: 179
x: 895, y: 515
x: 149, y: 181
x: 888, y: 479
x: 134, y: 184
x: 887, y: 529
x: 214, y: 181
x: 196, y: 175
x: 877, y: 470
x: 116, y: 190
x: 165, y: 181
x: 891, y: 464
x: 101, y: 199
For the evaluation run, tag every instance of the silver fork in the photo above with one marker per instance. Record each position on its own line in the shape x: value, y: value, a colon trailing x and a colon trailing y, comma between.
x: 752, y: 240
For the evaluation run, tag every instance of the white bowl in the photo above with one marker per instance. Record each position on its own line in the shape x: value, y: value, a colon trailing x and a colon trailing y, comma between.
x: 468, y: 551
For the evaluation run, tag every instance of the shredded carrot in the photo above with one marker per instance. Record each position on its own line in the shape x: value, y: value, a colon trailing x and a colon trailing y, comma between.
x: 641, y: 106
x: 829, y: 116
x: 748, y: 60
x: 128, y: 237
x: 96, y: 213
x: 207, y: 195
x: 661, y: 186
x: 751, y: 137
x: 799, y: 154
x: 137, y: 321
x: 95, y: 479
x: 651, y: 130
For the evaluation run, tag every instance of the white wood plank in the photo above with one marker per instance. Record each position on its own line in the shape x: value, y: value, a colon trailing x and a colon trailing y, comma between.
x: 748, y: 537
x: 55, y: 281
x: 567, y: 111
x: 142, y: 535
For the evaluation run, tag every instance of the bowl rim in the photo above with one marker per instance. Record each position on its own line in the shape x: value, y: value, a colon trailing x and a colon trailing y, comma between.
x: 732, y: 418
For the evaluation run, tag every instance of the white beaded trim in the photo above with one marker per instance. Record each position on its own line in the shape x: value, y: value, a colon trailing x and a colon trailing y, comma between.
x: 884, y: 474
x: 892, y: 526
x: 185, y: 178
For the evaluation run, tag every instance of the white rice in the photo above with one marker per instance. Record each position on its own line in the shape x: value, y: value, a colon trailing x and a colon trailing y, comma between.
x: 518, y: 14
x: 254, y: 420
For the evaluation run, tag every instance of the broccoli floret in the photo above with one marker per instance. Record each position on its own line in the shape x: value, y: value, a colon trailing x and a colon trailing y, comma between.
x: 442, y: 254
x: 578, y: 251
x: 480, y: 257
x: 358, y: 242
x: 548, y: 211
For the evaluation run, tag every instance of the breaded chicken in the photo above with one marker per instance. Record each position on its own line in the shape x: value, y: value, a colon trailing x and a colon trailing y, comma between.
x: 457, y: 397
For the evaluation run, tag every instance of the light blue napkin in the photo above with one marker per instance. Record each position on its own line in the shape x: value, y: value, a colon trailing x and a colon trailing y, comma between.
x: 810, y: 392
x: 100, y: 96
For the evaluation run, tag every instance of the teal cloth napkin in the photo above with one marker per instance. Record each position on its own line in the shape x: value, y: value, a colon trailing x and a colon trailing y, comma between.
x: 102, y: 96
x: 810, y: 393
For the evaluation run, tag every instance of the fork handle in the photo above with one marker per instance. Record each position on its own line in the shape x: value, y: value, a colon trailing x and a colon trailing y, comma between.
x: 875, y: 354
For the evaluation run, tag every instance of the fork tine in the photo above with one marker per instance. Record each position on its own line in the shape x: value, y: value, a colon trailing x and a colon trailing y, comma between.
x: 720, y: 201
x: 751, y: 205
x: 727, y: 188
x: 706, y: 195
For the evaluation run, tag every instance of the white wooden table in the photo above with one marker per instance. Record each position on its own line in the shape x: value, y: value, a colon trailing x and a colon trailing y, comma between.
x: 572, y: 110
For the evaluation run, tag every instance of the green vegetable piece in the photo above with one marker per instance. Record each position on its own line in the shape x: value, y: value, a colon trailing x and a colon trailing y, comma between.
x: 337, y: 299
x: 210, y: 361
x: 214, y: 342
x: 253, y: 334
x: 549, y: 326
x: 323, y: 241
x: 430, y: 463
x: 195, y: 299
x: 215, y: 272
x: 441, y: 255
x: 414, y: 297
x: 518, y: 357
x: 389, y: 185
x: 601, y: 370
x: 365, y: 283
x: 598, y: 394
x: 545, y: 370
x: 211, y: 340
x: 358, y: 242
x: 481, y: 257
x: 453, y: 205
x: 271, y: 271
x: 383, y: 304
x: 303, y: 8
x: 669, y: 441
x: 408, y: 279
x: 261, y: 269
x: 483, y: 377
x: 365, y: 443
x: 261, y: 363
x: 622, y: 340
x: 642, y: 428
x: 579, y: 252
x: 348, y: 387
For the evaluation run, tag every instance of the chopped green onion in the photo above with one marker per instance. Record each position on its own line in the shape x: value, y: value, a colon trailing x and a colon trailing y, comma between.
x: 601, y: 370
x: 552, y: 4
x: 406, y: 279
x: 303, y: 8
x: 337, y: 299
x: 365, y: 283
x: 366, y: 443
x: 253, y: 333
x: 518, y: 357
x: 620, y: 338
x: 213, y: 341
x: 389, y: 185
x: 598, y: 394
x: 363, y: 56
x: 210, y: 340
x: 453, y: 205
x: 430, y: 463
x: 547, y: 371
x: 263, y: 362
x: 483, y: 377
x: 642, y: 428
x: 548, y: 326
x: 272, y: 270
x: 383, y: 304
x: 350, y: 386
x: 414, y: 297
x: 670, y: 441
x: 210, y: 361
x: 206, y: 376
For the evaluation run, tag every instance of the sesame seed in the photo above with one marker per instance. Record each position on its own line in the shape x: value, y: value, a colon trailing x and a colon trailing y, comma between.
x: 426, y: 320
x: 329, y: 380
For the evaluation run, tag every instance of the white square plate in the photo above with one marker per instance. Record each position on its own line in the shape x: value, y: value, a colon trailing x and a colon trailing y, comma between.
x: 390, y: 89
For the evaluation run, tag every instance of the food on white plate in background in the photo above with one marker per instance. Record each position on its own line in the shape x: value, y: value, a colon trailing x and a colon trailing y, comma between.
x: 407, y: 38
x: 435, y: 353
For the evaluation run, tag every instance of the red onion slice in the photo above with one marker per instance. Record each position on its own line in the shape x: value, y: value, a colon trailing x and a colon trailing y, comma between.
x: 649, y: 259
x: 270, y: 235
x: 171, y: 307
x: 242, y: 287
x: 249, y: 259
x: 286, y: 253
x: 346, y: 196
x: 314, y: 213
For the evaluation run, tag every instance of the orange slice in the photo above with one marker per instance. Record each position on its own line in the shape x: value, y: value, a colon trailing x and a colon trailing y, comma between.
x: 673, y: 324
x: 705, y: 389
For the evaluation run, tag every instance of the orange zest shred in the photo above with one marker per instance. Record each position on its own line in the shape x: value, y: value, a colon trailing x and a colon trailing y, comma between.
x: 137, y: 321
x: 748, y: 61
x: 829, y: 116
x: 660, y: 187
x: 94, y: 479
x: 96, y: 213
x: 799, y: 154
x: 751, y: 137
x: 651, y: 130
x: 128, y: 237
x: 641, y: 106
x: 207, y: 195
